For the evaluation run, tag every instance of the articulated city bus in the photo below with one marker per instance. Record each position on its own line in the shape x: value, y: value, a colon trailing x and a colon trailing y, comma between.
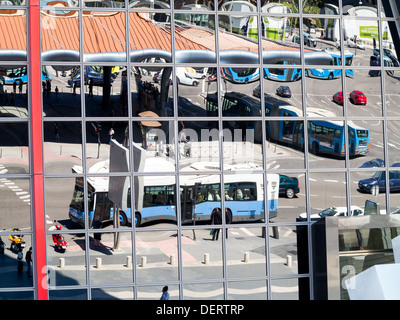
x: 280, y: 73
x: 236, y: 104
x: 324, y: 135
x: 199, y: 195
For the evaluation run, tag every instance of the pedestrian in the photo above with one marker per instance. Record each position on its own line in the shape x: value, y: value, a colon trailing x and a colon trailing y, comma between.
x: 20, y: 87
x: 15, y: 86
x: 56, y: 90
x: 56, y: 132
x: 48, y: 85
x: 228, y: 219
x: 28, y: 258
x: 91, y: 87
x: 12, y: 98
x: 111, y: 134
x: 216, y: 219
x: 165, y: 294
x: 74, y: 89
x: 20, y: 256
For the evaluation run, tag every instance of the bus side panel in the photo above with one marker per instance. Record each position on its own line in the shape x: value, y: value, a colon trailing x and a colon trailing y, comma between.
x: 158, y: 213
x: 245, y: 210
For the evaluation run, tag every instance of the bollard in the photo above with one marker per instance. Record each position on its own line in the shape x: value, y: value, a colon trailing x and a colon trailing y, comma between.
x: 246, y: 257
x: 62, y: 263
x: 98, y: 263
x: 172, y: 259
x: 289, y: 260
x: 143, y: 261
x: 128, y: 261
x: 206, y: 258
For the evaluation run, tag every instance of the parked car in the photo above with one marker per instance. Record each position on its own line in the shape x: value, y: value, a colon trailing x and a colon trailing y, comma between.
x: 90, y: 72
x: 338, y: 97
x: 355, y: 44
x: 284, y: 91
x: 379, y: 179
x: 388, y: 54
x: 288, y: 186
x: 373, y: 163
x: 333, y: 211
x: 308, y: 40
x: 358, y: 97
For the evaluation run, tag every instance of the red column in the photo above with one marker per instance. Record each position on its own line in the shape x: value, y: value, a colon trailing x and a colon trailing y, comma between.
x: 35, y: 88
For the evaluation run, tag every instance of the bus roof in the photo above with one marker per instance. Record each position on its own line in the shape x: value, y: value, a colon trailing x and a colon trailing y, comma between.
x: 240, y: 172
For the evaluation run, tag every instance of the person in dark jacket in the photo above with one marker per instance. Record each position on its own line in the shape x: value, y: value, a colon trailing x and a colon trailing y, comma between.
x: 216, y: 219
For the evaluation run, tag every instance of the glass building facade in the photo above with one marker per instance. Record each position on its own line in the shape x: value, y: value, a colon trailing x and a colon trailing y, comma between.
x: 181, y: 159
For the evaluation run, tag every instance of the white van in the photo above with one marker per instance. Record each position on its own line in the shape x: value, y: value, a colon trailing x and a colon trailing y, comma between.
x: 185, y: 76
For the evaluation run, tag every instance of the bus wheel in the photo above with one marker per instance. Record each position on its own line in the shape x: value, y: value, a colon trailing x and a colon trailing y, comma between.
x: 228, y: 217
x: 137, y: 220
x: 289, y: 193
x: 330, y: 77
x: 123, y: 221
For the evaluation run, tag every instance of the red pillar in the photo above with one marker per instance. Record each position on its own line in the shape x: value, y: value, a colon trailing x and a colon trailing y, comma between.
x: 35, y: 88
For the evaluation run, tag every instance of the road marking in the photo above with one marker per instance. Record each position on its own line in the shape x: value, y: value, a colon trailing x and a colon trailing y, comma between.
x: 248, y: 232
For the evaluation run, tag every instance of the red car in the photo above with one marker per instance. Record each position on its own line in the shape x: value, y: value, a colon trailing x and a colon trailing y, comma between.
x: 358, y: 97
x: 338, y: 97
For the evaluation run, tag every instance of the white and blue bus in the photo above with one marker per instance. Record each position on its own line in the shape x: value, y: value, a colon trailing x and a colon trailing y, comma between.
x: 280, y: 73
x: 324, y: 136
x: 243, y: 195
x: 199, y: 195
x: 19, y: 75
x: 240, y: 75
x: 236, y: 104
x: 322, y: 73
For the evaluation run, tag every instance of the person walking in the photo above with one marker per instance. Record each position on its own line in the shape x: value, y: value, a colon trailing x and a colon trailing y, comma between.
x: 56, y: 132
x: 91, y: 87
x: 216, y: 219
x: 28, y: 258
x: 165, y: 294
x: 228, y: 219
x: 111, y: 133
x: 20, y: 257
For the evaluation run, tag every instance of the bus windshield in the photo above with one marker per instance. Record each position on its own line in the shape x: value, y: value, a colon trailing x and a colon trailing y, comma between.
x: 362, y: 133
x: 77, y: 201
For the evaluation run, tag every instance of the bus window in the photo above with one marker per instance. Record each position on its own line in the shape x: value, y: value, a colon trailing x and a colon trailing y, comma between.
x: 213, y: 193
x: 349, y: 61
x: 77, y: 201
x: 247, y: 191
x: 362, y: 133
x: 158, y: 196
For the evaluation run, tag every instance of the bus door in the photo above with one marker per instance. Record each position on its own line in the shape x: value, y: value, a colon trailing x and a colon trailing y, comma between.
x: 298, y: 134
x: 102, y: 209
x: 186, y: 204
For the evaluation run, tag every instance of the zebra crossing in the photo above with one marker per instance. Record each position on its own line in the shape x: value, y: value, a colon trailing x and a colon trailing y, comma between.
x: 11, y: 185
